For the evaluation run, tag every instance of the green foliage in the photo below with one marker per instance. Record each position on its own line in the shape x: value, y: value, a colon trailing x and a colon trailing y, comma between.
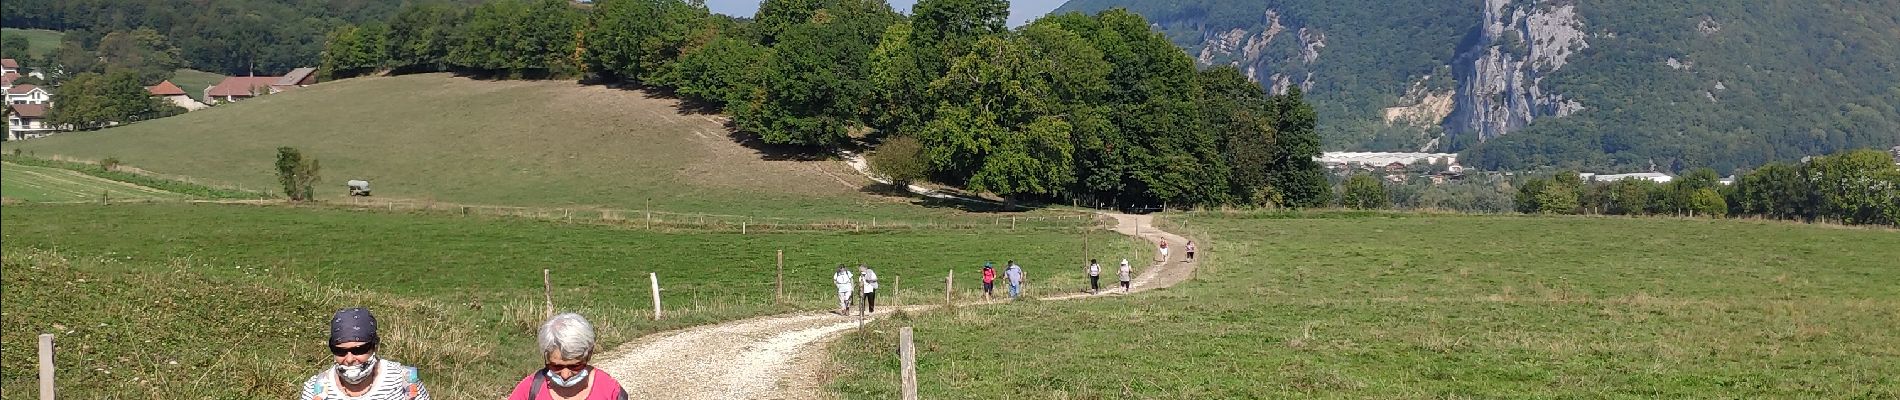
x: 14, y: 46
x: 142, y: 51
x: 901, y: 159
x: 725, y: 72
x: 639, y: 40
x: 421, y: 36
x: 230, y: 37
x: 297, y: 174
x: 92, y: 101
x: 1706, y: 202
x: 1855, y: 187
x: 1365, y: 192
x: 353, y: 51
x: 531, y: 38
x: 1775, y: 191
x: 816, y: 84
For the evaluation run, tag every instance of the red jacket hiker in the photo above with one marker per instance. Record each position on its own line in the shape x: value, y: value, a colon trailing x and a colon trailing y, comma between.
x: 989, y: 275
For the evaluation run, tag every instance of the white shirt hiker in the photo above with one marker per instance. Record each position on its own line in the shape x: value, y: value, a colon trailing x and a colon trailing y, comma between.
x: 1095, y: 269
x: 870, y: 281
x: 1126, y: 270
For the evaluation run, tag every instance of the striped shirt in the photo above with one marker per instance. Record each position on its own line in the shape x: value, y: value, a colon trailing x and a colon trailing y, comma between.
x: 393, y: 381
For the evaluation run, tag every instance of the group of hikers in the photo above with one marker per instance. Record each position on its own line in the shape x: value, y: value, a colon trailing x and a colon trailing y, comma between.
x: 567, y: 343
x: 864, y: 283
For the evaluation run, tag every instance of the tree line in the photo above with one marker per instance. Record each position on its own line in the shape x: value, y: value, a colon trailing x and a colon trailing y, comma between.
x: 1860, y: 187
x: 1096, y: 109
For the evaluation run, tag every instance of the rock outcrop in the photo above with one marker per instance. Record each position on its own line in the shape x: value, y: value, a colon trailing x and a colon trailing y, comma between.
x: 1500, y: 74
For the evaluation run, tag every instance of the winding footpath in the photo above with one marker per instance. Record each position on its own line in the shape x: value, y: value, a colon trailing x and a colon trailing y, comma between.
x: 780, y: 357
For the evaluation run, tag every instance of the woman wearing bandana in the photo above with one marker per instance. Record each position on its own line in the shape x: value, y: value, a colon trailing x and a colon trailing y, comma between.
x: 567, y: 342
x: 358, y: 373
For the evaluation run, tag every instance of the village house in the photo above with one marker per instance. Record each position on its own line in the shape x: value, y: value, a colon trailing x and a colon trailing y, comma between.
x: 171, y: 92
x: 27, y: 121
x: 243, y: 87
x: 20, y: 93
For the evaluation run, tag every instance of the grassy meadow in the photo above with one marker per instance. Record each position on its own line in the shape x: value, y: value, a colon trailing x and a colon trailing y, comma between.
x: 1368, y: 305
x: 519, y: 143
x: 46, y: 184
x: 194, y: 82
x: 146, y: 298
x: 39, y: 42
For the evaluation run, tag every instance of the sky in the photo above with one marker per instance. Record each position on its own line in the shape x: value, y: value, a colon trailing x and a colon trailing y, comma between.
x: 1020, y: 11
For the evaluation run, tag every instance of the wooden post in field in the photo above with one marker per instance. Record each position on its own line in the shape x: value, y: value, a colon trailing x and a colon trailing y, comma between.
x: 46, y: 366
x: 781, y: 276
x: 907, y: 351
x: 897, y: 285
x: 547, y: 290
x: 1012, y: 223
x: 649, y: 212
x: 655, y: 278
x: 949, y: 284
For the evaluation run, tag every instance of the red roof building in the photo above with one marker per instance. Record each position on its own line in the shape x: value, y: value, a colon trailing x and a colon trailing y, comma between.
x: 165, y: 88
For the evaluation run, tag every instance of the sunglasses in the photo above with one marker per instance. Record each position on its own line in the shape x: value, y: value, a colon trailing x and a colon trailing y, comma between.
x: 566, y: 367
x: 358, y: 350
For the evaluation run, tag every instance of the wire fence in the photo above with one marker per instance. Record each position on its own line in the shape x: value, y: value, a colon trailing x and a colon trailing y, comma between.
x: 669, y: 221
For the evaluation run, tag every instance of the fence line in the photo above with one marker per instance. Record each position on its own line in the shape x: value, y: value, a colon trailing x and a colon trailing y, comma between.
x: 709, y: 222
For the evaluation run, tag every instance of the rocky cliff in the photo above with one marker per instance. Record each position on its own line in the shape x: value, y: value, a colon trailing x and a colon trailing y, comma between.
x: 1501, y: 74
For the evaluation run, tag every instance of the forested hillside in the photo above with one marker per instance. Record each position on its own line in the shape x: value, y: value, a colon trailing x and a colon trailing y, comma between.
x: 1595, y: 84
x: 231, y: 37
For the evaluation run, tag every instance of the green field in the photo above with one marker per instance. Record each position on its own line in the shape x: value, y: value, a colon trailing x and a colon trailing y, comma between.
x: 40, y: 42
x: 1403, y: 306
x: 521, y: 143
x: 31, y: 183
x: 194, y: 82
x: 244, y: 290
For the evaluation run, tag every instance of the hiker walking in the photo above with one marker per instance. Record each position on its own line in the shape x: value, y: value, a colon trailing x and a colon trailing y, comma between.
x: 867, y: 279
x: 989, y: 280
x: 1015, y: 276
x: 842, y: 279
x: 568, y: 343
x: 1164, y: 251
x: 1125, y: 272
x: 1095, y: 277
x: 1190, y: 251
x: 357, y: 373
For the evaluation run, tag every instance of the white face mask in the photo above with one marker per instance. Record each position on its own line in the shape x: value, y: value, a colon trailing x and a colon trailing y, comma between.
x: 354, y: 374
x: 569, y: 382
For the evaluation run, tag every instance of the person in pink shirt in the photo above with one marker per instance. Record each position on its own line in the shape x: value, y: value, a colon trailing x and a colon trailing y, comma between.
x: 567, y: 342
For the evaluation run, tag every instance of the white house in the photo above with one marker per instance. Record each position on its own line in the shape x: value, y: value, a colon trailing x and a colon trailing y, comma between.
x: 27, y: 121
x: 28, y: 94
x: 1657, y: 177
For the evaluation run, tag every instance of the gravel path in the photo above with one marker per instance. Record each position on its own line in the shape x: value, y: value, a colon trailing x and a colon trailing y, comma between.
x: 781, y: 356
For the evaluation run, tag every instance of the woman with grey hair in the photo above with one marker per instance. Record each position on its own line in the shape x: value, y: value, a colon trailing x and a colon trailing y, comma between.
x: 567, y: 343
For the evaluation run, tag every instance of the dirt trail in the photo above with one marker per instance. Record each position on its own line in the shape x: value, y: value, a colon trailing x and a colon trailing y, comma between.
x: 779, y: 357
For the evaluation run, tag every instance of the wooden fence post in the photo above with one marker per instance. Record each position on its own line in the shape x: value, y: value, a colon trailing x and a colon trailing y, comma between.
x: 547, y: 290
x: 897, y: 285
x: 781, y: 276
x: 949, y: 284
x: 655, y: 278
x: 46, y: 366
x: 907, y: 350
x: 649, y: 212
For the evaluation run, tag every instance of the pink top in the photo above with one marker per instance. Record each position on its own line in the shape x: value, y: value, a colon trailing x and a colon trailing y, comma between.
x: 605, y: 387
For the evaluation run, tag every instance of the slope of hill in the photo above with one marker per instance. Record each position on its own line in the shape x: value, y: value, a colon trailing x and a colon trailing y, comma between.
x: 40, y: 42
x: 451, y: 139
x: 1594, y: 84
x: 194, y: 82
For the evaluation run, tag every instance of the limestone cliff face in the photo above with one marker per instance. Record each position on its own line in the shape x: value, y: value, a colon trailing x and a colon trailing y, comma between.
x: 1500, y: 73
x: 1263, y: 54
